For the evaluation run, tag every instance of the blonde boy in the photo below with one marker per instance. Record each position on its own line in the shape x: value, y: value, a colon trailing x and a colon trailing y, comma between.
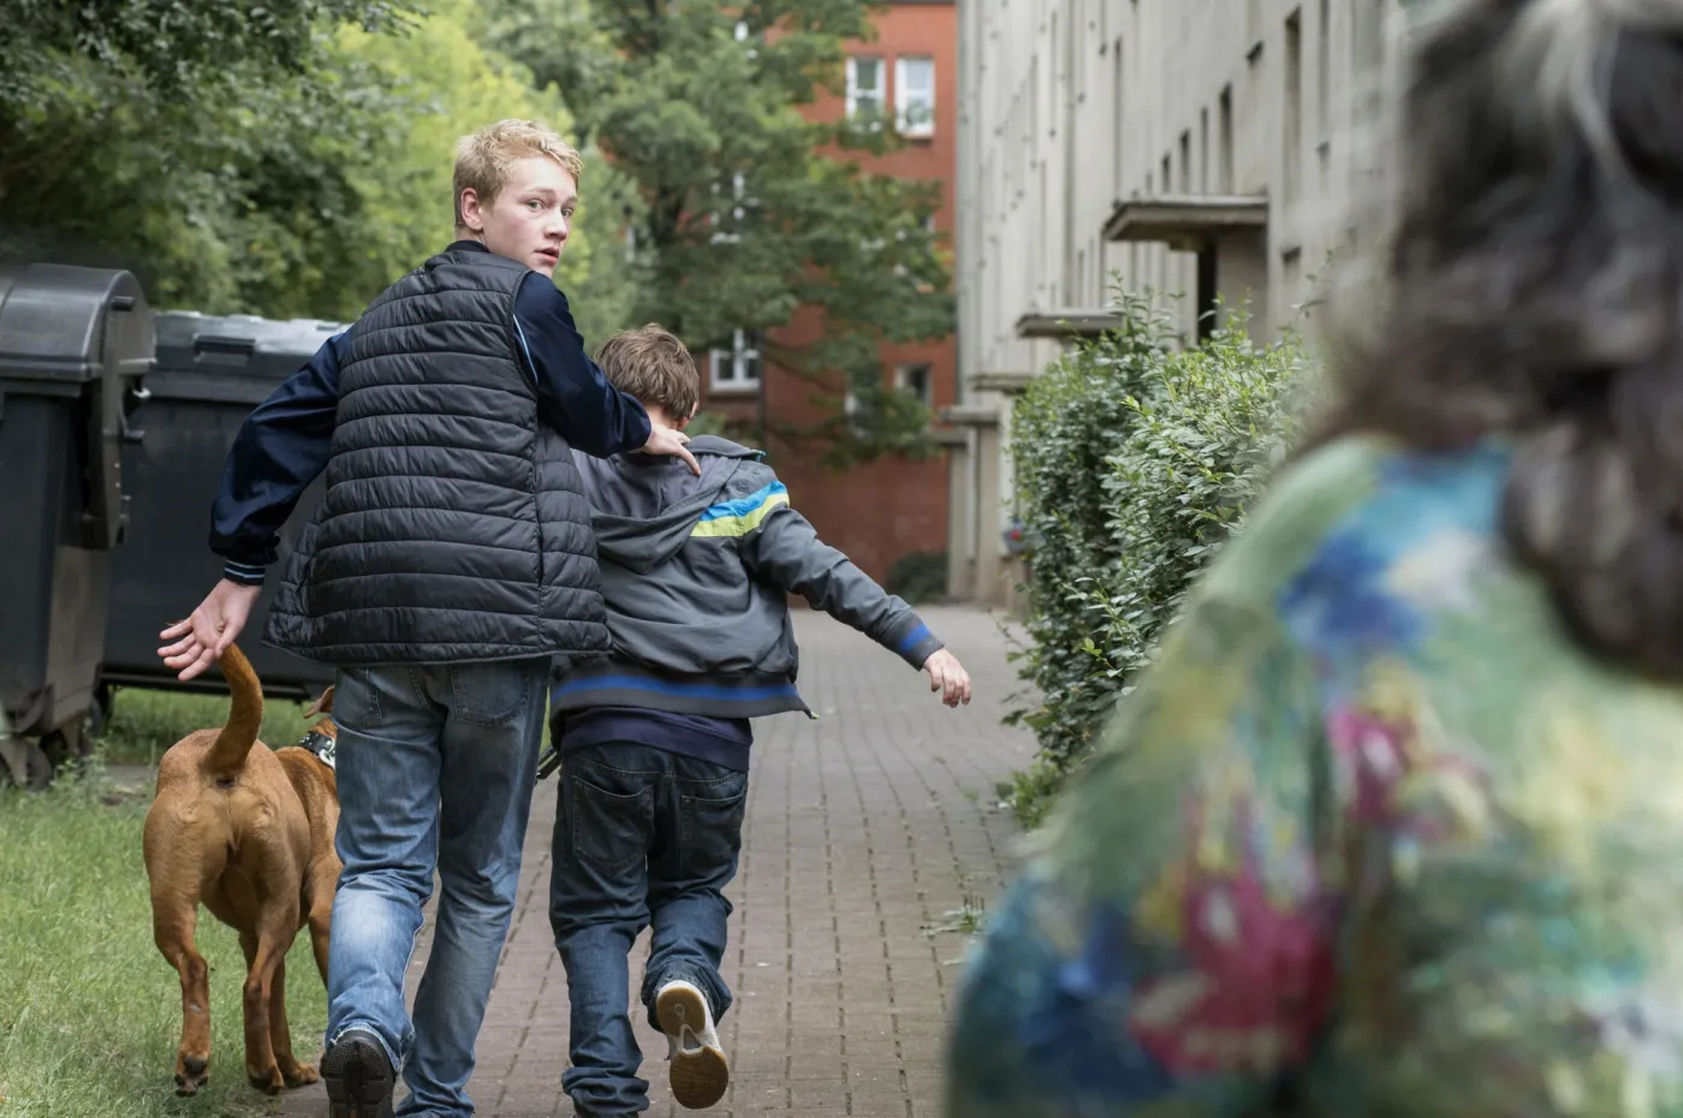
x: 451, y: 562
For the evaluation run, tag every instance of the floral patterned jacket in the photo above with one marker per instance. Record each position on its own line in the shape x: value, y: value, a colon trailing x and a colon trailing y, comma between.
x: 1373, y: 837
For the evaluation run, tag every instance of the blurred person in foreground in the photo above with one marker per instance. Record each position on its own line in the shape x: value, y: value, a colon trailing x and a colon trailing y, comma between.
x: 1394, y: 825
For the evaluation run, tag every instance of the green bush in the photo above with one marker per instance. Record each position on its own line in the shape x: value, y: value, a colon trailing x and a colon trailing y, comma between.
x: 1135, y: 461
x: 920, y: 577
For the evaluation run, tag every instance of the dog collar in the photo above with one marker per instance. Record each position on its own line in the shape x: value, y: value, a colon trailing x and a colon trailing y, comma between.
x: 321, y: 745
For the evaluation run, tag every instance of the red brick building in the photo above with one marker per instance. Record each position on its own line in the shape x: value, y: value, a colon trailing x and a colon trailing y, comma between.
x: 882, y: 510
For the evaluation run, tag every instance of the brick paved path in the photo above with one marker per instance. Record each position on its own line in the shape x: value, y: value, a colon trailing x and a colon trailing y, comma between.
x: 870, y: 833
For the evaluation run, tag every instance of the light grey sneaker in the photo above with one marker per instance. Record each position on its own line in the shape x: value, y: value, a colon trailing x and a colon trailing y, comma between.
x: 699, y: 1073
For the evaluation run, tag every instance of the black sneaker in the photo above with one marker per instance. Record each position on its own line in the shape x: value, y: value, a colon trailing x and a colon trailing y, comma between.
x: 358, y: 1075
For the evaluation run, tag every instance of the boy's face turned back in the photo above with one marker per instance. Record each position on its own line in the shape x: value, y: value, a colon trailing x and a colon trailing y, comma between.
x: 530, y: 218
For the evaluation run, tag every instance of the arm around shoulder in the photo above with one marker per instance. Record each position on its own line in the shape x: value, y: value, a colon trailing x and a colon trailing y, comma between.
x: 575, y: 397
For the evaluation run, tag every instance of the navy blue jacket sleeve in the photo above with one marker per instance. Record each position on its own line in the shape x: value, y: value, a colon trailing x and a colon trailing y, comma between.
x: 573, y: 395
x: 279, y: 450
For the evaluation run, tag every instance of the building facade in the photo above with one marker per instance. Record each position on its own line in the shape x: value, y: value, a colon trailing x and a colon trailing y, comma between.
x: 1201, y: 149
x: 888, y: 509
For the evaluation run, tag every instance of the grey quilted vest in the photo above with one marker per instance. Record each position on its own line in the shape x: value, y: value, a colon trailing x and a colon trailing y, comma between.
x: 453, y: 527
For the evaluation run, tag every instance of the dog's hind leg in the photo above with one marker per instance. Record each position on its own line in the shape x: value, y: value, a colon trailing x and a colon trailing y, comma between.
x: 263, y: 957
x: 174, y: 922
x: 325, y: 878
x: 280, y: 1034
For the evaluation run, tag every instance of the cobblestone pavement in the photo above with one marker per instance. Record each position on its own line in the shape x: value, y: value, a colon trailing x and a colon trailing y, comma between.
x: 873, y: 837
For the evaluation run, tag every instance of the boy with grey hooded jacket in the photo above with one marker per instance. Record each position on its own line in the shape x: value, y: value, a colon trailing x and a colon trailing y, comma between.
x: 653, y: 743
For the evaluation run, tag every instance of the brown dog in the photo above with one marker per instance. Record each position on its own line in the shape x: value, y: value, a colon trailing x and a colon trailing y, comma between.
x: 248, y: 832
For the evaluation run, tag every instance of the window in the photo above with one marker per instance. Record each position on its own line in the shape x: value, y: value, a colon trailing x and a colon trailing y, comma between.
x: 1291, y: 272
x: 860, y: 404
x: 729, y: 232
x: 1367, y: 29
x: 1291, y: 157
x: 1368, y: 32
x: 1323, y: 69
x: 864, y: 86
x: 1204, y: 150
x: 914, y: 95
x: 1118, y: 117
x: 744, y: 34
x: 736, y: 369
x: 918, y: 381
x: 1224, y: 142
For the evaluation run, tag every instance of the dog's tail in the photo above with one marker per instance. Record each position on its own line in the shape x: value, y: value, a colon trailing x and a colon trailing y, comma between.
x: 245, y: 716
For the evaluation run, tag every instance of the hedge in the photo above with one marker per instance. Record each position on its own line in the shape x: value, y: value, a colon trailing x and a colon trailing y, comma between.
x: 1135, y: 460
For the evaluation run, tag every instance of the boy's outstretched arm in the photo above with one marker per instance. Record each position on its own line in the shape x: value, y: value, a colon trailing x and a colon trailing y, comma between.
x: 784, y: 550
x: 281, y: 447
x: 576, y: 398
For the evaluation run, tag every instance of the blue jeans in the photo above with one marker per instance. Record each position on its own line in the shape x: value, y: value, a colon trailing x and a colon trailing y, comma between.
x: 435, y: 769
x: 641, y: 835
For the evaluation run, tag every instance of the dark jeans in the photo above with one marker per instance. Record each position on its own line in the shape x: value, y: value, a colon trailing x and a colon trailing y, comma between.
x: 641, y: 836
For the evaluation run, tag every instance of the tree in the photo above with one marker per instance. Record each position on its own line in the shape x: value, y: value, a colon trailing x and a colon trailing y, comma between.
x: 747, y: 211
x: 289, y: 159
x: 451, y: 85
x: 178, y: 48
x: 135, y: 131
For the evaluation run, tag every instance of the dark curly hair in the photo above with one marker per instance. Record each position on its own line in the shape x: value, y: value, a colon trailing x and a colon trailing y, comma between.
x: 1532, y: 289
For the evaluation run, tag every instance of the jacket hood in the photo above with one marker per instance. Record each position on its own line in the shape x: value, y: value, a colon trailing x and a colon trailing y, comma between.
x: 643, y: 507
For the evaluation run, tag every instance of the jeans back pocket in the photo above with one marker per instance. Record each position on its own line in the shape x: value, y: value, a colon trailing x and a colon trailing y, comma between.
x: 712, y: 824
x: 493, y: 694
x: 356, y: 697
x: 610, y: 830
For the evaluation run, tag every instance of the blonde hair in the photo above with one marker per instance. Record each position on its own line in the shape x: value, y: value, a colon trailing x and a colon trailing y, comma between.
x: 651, y: 364
x: 483, y: 159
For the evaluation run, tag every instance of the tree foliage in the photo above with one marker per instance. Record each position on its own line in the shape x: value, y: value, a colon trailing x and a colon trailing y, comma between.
x: 745, y: 209
x: 287, y: 158
x: 181, y: 49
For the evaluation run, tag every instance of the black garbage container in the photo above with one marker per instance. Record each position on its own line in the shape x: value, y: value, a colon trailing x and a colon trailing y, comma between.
x: 75, y: 344
x: 209, y: 374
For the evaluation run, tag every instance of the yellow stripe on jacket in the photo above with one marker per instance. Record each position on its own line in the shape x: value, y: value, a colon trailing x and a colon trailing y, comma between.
x: 741, y: 516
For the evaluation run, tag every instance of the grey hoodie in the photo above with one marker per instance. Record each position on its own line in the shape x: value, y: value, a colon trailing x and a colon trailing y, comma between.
x: 696, y: 573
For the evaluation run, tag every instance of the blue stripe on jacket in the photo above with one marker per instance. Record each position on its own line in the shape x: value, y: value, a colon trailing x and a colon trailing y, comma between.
x: 912, y: 638
x: 742, y: 506
x: 670, y: 687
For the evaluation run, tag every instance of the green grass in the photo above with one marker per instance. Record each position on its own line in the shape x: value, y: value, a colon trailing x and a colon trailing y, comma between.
x: 146, y: 723
x: 90, y: 1013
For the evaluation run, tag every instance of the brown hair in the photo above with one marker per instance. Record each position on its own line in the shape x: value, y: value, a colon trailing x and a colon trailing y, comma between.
x: 483, y: 159
x: 651, y: 364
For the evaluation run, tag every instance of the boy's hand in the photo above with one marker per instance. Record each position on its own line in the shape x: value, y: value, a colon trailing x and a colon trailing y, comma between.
x: 210, y: 630
x: 947, y: 676
x: 667, y: 440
